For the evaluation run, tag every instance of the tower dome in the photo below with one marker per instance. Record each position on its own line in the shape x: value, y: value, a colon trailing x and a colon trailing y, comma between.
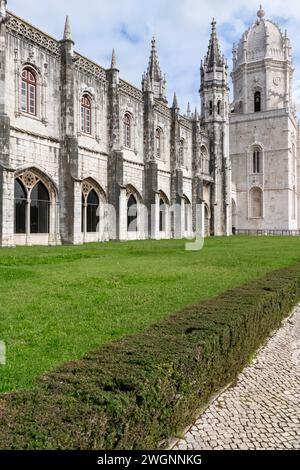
x: 263, y: 39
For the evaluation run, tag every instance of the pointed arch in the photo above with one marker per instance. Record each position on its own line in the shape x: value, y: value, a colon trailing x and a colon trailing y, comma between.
x: 93, y: 210
x: 36, y: 213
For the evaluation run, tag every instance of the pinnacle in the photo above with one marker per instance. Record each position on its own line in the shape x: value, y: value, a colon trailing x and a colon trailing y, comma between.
x: 67, y: 31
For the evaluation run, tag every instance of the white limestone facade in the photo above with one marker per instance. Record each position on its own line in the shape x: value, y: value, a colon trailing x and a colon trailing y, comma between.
x: 86, y: 156
x: 264, y: 131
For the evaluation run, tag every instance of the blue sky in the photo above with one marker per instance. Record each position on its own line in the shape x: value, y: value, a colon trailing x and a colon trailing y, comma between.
x: 181, y: 27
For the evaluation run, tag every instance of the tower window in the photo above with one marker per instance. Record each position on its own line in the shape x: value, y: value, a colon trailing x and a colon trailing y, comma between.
x: 86, y: 114
x: 181, y: 153
x: 257, y: 102
x: 28, y: 92
x: 210, y: 107
x: 256, y: 161
x: 158, y: 142
x: 127, y: 130
x: 219, y: 107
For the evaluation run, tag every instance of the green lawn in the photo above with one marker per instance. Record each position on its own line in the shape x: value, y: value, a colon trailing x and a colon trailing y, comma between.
x: 58, y: 303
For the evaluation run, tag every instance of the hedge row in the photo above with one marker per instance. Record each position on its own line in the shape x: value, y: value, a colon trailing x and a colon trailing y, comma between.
x: 138, y: 391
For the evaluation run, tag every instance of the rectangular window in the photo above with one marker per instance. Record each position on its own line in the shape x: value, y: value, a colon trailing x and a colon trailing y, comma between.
x: 31, y: 99
x: 23, y: 97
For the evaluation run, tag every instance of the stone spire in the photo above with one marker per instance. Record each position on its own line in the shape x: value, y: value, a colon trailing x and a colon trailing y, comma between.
x: 154, y: 74
x: 188, y: 111
x: 261, y: 12
x: 196, y: 115
x: 113, y: 65
x: 175, y: 102
x: 3, y: 16
x: 67, y: 31
x: 214, y: 57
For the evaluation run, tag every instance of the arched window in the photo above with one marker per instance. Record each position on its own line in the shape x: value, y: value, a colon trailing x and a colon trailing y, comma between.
x: 257, y: 102
x: 162, y: 215
x: 256, y: 202
x: 127, y: 130
x: 132, y: 214
x: 158, y: 142
x: 39, y: 209
x: 219, y: 107
x: 20, y: 207
x: 210, y: 107
x: 92, y: 212
x: 86, y: 114
x: 28, y: 92
x: 257, y: 161
x: 181, y: 152
x: 204, y: 160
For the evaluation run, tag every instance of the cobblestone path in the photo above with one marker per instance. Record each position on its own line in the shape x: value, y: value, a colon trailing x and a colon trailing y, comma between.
x: 262, y: 410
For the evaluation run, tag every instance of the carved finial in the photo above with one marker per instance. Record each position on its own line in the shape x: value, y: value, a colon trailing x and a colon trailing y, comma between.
x: 261, y: 12
x: 3, y: 15
x: 153, y: 42
x: 196, y: 114
x: 113, y: 60
x: 175, y: 102
x: 188, y: 111
x: 67, y: 32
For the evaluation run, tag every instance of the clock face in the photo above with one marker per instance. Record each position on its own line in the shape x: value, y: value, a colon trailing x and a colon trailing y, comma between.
x: 276, y: 80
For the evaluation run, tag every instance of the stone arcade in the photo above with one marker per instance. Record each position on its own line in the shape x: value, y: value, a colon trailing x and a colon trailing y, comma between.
x: 76, y: 139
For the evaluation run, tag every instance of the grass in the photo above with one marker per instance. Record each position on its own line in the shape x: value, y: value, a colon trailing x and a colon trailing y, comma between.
x: 58, y: 303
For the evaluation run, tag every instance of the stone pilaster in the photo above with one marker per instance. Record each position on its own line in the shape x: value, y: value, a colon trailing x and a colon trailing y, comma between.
x: 116, y: 196
x: 6, y: 174
x: 151, y: 168
x: 70, y: 202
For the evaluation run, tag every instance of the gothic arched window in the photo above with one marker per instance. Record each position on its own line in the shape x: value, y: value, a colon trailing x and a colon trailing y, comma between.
x: 28, y: 92
x: 181, y: 152
x: 257, y: 102
x: 219, y: 107
x: 210, y: 107
x: 127, y: 130
x: 256, y: 202
x: 86, y: 114
x: 20, y: 207
x: 158, y: 142
x: 257, y: 161
x: 132, y: 214
x: 39, y: 209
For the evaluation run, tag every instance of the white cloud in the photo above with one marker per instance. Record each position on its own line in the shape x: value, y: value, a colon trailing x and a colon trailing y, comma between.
x: 182, y: 28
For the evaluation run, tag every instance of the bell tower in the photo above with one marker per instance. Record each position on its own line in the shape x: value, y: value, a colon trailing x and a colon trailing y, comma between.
x: 214, y: 113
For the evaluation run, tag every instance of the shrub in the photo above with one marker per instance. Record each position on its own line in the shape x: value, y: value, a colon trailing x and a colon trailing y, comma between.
x: 136, y: 392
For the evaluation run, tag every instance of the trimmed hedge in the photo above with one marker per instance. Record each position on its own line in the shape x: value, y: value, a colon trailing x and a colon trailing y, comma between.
x: 136, y: 392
